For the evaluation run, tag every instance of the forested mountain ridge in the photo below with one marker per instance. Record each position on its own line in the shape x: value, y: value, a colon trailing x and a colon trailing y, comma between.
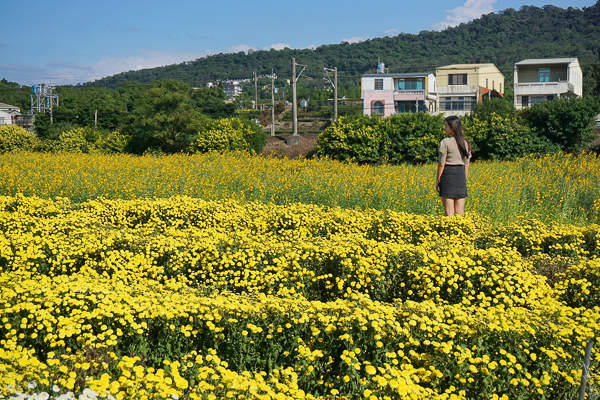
x: 502, y: 38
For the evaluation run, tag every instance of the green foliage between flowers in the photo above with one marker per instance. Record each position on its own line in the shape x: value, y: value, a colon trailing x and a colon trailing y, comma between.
x: 230, y: 134
x: 495, y: 129
x: 113, y: 142
x: 413, y: 138
x: 496, y: 137
x: 15, y: 138
x: 78, y: 140
x: 569, y: 123
x: 400, y: 138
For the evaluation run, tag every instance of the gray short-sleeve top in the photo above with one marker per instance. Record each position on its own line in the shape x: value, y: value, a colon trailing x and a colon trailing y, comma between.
x: 450, y: 154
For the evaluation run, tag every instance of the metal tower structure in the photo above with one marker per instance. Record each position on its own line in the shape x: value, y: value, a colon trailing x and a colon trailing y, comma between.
x: 42, y: 99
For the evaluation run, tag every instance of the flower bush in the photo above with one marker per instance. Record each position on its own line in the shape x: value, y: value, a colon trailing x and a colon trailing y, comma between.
x: 228, y: 134
x: 186, y: 298
x: 16, y: 138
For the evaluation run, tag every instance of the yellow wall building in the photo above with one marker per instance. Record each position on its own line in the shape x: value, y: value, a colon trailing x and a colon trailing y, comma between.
x: 460, y: 86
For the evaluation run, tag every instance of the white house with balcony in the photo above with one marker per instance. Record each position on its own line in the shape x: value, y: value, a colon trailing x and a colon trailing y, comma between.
x: 9, y: 114
x: 537, y: 80
x: 388, y: 94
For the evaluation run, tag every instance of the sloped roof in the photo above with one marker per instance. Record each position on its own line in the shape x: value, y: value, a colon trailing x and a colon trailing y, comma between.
x: 4, y: 106
x: 538, y: 61
x: 397, y: 75
x: 457, y: 66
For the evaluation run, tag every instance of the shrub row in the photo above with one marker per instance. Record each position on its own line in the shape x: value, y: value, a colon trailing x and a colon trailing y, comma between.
x: 494, y: 128
x: 217, y: 135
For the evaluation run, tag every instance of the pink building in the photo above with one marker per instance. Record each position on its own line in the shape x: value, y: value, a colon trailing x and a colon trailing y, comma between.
x: 389, y: 94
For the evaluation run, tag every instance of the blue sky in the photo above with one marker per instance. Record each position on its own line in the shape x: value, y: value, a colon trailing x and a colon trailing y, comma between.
x: 68, y: 41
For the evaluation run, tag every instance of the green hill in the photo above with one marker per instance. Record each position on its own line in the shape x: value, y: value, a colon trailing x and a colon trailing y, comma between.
x: 502, y: 38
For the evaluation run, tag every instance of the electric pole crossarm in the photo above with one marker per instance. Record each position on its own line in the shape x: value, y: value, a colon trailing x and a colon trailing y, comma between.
x: 303, y: 69
x: 328, y: 77
x: 335, y: 88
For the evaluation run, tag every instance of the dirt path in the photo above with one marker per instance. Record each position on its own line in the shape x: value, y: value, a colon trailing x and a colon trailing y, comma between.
x: 277, y: 147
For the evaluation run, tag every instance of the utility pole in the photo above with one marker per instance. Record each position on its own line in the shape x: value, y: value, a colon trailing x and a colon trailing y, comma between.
x: 51, y: 116
x: 95, y: 118
x: 294, y: 100
x: 295, y: 138
x: 335, y: 85
x: 255, y: 91
x: 272, y: 103
x: 335, y: 101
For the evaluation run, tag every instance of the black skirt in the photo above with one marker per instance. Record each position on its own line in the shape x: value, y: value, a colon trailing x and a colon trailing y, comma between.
x: 453, y: 182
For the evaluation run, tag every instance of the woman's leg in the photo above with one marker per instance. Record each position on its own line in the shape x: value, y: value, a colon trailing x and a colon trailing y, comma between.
x: 459, y: 206
x: 448, y: 204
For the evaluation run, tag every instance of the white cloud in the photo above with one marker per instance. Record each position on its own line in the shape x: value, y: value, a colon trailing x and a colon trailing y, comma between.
x: 20, y: 67
x: 73, y: 72
x: 470, y: 10
x: 72, y: 64
x: 355, y: 39
x: 245, y: 48
x: 238, y: 48
x: 278, y: 46
x: 391, y: 32
x: 64, y: 73
x: 110, y: 65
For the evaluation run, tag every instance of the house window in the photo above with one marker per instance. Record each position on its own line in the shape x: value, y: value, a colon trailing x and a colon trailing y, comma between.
x: 378, y: 84
x: 410, y: 84
x: 537, y: 99
x: 457, y: 103
x: 544, y: 74
x: 525, y: 101
x: 550, y: 97
x: 500, y: 87
x: 409, y: 106
x: 457, y: 79
x: 378, y: 108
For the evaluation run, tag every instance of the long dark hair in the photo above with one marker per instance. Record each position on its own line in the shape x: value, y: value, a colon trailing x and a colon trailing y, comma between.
x: 463, y: 146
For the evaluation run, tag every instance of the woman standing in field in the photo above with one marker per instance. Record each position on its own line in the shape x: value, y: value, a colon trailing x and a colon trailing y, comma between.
x: 453, y: 168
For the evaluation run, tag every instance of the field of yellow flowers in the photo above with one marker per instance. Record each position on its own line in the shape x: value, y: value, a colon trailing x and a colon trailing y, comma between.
x: 553, y: 188
x: 186, y: 298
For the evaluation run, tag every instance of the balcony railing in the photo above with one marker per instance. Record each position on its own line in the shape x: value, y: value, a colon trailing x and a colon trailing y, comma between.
x: 24, y: 121
x: 543, y: 88
x: 457, y: 89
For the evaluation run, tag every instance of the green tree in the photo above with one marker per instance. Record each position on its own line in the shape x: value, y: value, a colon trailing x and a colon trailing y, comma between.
x: 212, y: 102
x: 166, y: 120
x: 497, y: 137
x: 568, y: 123
x: 495, y: 106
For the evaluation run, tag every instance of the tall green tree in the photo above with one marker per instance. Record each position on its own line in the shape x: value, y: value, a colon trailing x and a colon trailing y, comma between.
x: 166, y: 119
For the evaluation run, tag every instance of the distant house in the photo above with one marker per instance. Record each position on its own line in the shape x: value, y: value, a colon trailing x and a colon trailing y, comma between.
x: 538, y: 80
x: 388, y: 94
x: 11, y: 115
x: 8, y: 114
x: 461, y: 86
x: 232, y: 89
x: 303, y: 103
